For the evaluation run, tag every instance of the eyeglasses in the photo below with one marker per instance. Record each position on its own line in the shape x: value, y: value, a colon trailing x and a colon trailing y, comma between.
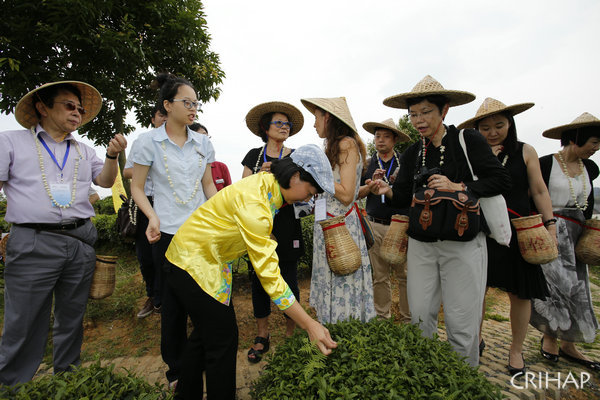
x: 282, y: 124
x: 70, y: 106
x: 190, y: 105
x: 424, y: 114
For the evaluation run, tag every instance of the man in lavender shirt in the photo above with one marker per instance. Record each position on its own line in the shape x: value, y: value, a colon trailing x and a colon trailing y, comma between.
x: 46, y: 175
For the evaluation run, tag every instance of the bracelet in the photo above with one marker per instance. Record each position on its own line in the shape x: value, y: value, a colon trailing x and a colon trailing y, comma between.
x: 551, y: 221
x: 111, y: 157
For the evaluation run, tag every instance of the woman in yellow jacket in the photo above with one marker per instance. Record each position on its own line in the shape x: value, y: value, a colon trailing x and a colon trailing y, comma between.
x: 236, y: 221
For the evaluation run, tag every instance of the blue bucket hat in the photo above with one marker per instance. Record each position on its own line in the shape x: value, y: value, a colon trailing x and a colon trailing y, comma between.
x: 314, y: 161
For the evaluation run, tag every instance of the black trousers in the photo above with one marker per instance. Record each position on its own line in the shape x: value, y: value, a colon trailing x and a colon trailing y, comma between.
x: 173, y: 318
x: 143, y: 250
x: 261, y: 302
x: 213, y: 344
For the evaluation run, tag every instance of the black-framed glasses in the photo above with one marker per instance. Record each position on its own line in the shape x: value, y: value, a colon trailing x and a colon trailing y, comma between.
x: 424, y: 114
x: 282, y: 124
x: 70, y: 106
x: 189, y: 104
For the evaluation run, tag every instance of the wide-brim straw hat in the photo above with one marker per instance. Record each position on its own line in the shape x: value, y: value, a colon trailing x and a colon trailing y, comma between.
x: 584, y: 120
x: 429, y: 87
x: 388, y: 124
x: 91, y: 100
x: 256, y: 113
x: 336, y: 106
x: 491, y: 107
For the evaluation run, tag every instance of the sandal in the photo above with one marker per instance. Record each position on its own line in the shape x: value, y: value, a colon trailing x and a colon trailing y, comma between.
x: 254, y: 355
x: 593, y: 365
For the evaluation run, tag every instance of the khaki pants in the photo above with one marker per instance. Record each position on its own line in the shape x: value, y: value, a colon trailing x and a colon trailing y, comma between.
x: 382, y: 273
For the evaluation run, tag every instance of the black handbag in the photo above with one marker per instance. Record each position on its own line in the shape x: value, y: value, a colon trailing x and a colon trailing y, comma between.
x: 127, y: 218
x: 444, y: 214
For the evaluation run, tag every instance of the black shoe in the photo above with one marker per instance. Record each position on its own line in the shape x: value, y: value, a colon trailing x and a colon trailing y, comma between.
x: 546, y: 355
x: 481, y: 347
x: 593, y: 365
x: 516, y: 371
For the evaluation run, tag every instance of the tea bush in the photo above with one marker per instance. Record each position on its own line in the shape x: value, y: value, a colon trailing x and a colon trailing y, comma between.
x: 92, y: 383
x: 375, y: 360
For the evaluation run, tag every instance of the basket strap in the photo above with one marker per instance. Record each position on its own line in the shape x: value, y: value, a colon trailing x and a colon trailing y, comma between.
x: 399, y: 220
x: 333, y: 226
x: 576, y: 222
x: 529, y: 227
x: 347, y: 213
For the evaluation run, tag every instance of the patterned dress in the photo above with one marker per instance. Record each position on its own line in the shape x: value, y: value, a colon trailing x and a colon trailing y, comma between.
x: 338, y: 298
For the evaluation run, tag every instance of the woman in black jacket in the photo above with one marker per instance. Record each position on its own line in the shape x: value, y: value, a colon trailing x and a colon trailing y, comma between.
x: 568, y: 314
x: 448, y: 271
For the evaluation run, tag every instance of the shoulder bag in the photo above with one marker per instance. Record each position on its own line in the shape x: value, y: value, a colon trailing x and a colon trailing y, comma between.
x: 127, y: 218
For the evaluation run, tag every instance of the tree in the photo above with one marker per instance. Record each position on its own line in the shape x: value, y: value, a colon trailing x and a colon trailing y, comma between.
x: 118, y: 46
x: 405, y: 126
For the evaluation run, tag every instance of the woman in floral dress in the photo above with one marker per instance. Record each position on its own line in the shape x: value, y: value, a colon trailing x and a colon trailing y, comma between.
x: 335, y: 297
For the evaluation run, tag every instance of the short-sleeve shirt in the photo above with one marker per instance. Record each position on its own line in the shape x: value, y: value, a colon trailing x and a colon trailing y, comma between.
x: 220, y: 174
x: 27, y: 198
x: 182, y: 181
x: 148, y: 186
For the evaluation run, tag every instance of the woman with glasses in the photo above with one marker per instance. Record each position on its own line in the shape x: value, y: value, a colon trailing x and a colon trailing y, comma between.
x: 444, y: 269
x: 178, y: 161
x: 274, y: 122
x: 334, y: 297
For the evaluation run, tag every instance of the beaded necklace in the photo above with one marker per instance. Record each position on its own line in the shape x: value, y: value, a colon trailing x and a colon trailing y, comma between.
x: 43, y: 171
x: 424, y: 152
x: 196, y: 185
x: 386, y: 176
x: 504, y: 160
x: 563, y: 166
x: 263, y: 155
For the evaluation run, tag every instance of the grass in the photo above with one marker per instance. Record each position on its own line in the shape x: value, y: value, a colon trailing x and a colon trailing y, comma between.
x: 496, y: 317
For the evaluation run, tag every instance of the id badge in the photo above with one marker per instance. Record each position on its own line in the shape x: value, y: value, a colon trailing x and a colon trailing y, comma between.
x: 61, y: 192
x: 320, y: 209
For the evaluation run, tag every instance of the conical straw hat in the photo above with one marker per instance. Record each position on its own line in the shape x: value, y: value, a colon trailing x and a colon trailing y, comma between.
x: 389, y: 124
x: 585, y: 119
x: 256, y: 113
x: 90, y: 100
x: 335, y: 105
x: 492, y: 106
x: 428, y: 87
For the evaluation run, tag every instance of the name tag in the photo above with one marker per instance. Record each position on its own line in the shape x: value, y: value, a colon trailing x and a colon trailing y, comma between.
x: 296, y: 244
x: 320, y: 209
x: 61, y: 193
x: 220, y: 181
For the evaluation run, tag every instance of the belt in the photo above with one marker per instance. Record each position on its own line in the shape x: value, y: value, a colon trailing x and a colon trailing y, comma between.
x: 379, y: 220
x: 55, y: 227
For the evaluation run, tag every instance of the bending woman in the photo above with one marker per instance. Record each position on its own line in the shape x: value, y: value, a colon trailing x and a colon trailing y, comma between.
x: 337, y: 298
x: 568, y: 314
x: 238, y: 220
x: 507, y: 270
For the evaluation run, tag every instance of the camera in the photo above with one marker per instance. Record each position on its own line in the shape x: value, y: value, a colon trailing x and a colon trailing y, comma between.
x: 424, y: 173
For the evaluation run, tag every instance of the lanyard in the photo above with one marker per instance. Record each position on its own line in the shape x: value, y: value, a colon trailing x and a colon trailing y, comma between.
x: 52, y: 154
x: 265, y: 153
x: 387, y: 175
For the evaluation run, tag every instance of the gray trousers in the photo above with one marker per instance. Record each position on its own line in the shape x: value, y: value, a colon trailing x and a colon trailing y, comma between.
x: 453, y: 273
x: 41, y: 264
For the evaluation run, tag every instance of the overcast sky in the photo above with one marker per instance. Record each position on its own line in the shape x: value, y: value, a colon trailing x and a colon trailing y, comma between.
x: 515, y: 51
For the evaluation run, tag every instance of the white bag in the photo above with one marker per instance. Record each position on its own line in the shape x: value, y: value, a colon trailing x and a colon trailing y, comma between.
x: 494, y: 208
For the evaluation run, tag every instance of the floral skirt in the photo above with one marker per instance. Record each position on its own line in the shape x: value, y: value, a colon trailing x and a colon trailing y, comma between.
x: 567, y: 313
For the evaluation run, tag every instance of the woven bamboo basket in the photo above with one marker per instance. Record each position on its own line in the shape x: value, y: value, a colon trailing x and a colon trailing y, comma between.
x: 103, y: 282
x: 343, y: 255
x: 395, y: 242
x: 3, y: 242
x: 535, y: 242
x: 587, y: 249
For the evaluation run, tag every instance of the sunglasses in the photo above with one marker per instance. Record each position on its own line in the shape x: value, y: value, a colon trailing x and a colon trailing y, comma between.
x: 70, y: 106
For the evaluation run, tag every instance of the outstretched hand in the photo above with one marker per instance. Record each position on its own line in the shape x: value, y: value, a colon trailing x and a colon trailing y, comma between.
x: 320, y: 336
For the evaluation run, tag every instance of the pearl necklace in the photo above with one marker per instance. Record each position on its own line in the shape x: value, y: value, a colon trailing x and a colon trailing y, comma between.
x: 581, y: 172
x: 505, y: 160
x: 196, y: 185
x: 424, y: 151
x: 43, y: 171
x: 260, y: 156
x: 385, y: 179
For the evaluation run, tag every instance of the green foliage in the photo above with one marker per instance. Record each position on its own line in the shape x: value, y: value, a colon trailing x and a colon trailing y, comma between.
x: 106, y: 226
x: 92, y: 383
x: 307, y: 235
x: 376, y: 360
x: 405, y: 126
x: 118, y: 46
x: 496, y: 317
x: 104, y: 206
